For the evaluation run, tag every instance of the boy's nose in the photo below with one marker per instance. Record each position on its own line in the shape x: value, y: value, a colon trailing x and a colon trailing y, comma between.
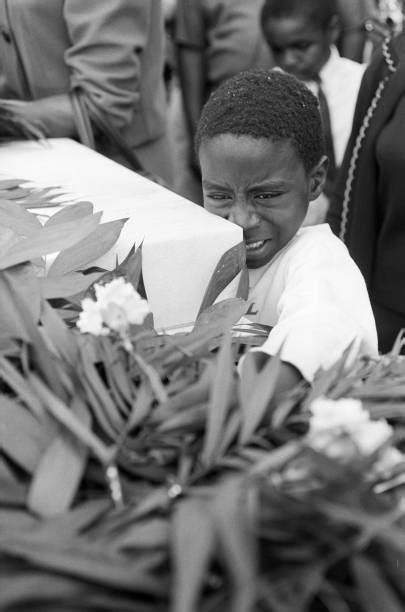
x: 243, y: 215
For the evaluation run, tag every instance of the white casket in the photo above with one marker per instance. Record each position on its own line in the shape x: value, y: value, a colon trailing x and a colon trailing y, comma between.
x: 182, y: 243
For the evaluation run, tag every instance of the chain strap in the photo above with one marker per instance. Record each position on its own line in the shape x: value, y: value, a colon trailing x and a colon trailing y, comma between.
x: 360, y: 138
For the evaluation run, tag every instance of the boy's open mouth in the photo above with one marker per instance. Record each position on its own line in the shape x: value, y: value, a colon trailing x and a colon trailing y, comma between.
x: 255, y: 246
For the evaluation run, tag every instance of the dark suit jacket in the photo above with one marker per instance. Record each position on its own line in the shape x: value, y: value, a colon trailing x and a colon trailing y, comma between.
x: 375, y: 232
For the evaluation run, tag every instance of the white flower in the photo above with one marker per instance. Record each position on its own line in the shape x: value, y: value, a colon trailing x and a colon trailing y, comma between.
x: 389, y: 460
x: 120, y: 304
x: 117, y: 306
x: 343, y: 428
x: 90, y: 320
x: 327, y: 413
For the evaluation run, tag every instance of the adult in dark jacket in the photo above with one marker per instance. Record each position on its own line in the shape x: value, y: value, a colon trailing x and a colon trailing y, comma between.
x: 368, y: 210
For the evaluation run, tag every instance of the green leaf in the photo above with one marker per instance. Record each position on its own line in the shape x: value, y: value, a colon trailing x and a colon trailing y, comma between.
x: 61, y: 339
x: 235, y: 531
x: 58, y: 475
x: 22, y: 437
x: 223, y: 314
x: 19, y: 385
x: 148, y: 534
x: 193, y: 542
x: 130, y: 269
x: 18, y: 219
x: 48, y: 240
x: 243, y: 286
x: 86, y: 251
x: 374, y: 592
x: 256, y: 394
x: 230, y: 264
x: 220, y: 401
x: 11, y: 321
x: 8, y: 238
x: 53, y: 287
x: 6, y: 184
x: 73, y: 424
x: 15, y: 194
x: 277, y: 459
x: 98, y: 395
x: 89, y: 563
x: 42, y: 359
x: 71, y: 212
x: 82, y: 518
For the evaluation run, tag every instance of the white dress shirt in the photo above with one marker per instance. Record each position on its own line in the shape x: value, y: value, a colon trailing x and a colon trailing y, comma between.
x: 340, y: 78
x: 315, y: 298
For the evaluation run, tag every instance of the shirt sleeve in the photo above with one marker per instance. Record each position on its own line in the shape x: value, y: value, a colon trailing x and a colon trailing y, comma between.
x: 353, y: 14
x: 235, y: 41
x: 107, y: 38
x: 323, y: 310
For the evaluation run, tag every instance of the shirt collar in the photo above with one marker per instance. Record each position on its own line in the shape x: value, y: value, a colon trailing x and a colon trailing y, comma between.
x: 328, y: 69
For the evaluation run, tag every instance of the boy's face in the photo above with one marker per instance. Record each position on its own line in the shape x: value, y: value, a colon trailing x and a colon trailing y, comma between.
x: 260, y: 185
x: 299, y: 47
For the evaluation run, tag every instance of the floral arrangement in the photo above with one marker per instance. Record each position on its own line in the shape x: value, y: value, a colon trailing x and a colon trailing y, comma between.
x: 143, y: 471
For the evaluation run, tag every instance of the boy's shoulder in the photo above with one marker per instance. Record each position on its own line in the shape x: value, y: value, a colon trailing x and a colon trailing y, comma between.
x: 316, y: 243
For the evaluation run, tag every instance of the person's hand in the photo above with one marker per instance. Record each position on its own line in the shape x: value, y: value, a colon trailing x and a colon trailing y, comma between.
x: 25, y: 112
x: 49, y: 117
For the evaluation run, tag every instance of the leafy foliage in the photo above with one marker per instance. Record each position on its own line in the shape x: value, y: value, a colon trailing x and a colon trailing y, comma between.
x: 150, y: 480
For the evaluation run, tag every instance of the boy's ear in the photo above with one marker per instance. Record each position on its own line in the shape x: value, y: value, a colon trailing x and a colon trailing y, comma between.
x: 317, y: 177
x: 333, y: 29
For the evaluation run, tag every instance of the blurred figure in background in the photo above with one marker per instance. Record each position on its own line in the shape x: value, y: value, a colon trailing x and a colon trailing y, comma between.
x: 367, y: 210
x: 354, y: 37
x: 216, y: 39
x: 91, y: 70
x: 302, y: 36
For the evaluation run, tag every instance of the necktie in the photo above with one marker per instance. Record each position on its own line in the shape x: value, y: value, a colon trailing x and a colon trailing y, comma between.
x: 328, y: 139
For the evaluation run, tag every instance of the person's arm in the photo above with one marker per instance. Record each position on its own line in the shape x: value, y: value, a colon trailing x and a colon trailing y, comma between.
x: 192, y: 81
x: 51, y: 117
x: 352, y: 43
x: 104, y: 59
x: 353, y: 14
x: 190, y: 44
x: 288, y: 378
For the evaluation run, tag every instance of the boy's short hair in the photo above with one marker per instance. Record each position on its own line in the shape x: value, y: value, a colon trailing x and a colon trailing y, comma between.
x: 265, y: 104
x: 317, y: 12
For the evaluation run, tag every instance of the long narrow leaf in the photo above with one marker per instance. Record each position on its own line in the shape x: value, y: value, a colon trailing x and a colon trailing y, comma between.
x: 86, y: 251
x: 18, y: 219
x: 219, y: 404
x: 256, y: 397
x: 48, y: 240
x: 71, y: 212
x: 230, y: 264
x: 65, y: 416
x: 58, y: 475
x: 67, y: 285
x: 193, y: 542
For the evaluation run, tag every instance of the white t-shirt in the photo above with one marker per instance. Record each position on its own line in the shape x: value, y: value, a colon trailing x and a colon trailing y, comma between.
x: 315, y: 298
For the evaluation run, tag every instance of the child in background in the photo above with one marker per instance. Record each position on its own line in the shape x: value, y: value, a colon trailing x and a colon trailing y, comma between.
x: 215, y: 39
x: 259, y: 144
x: 302, y: 35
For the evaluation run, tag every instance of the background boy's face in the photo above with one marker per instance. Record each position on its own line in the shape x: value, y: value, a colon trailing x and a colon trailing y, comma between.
x: 298, y: 46
x: 260, y: 185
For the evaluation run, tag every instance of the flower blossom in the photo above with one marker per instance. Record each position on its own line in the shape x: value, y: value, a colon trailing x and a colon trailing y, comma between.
x: 343, y: 427
x: 117, y: 306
